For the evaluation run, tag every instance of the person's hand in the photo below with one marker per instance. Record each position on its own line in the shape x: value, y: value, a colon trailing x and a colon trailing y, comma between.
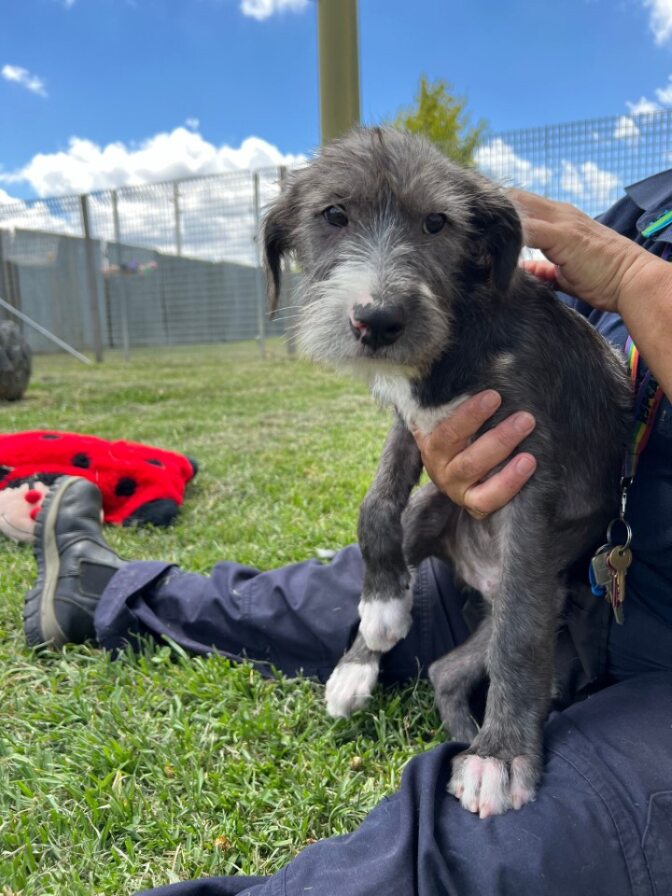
x: 458, y: 467
x: 587, y: 259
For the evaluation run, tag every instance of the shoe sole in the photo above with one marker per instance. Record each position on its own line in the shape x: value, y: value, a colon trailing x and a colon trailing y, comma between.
x: 40, y: 625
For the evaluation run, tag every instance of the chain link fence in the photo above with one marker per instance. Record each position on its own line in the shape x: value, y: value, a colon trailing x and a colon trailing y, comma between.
x: 178, y: 262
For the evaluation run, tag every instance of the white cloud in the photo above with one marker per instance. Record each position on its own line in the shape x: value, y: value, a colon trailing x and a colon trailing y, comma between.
x: 216, y: 213
x: 625, y: 129
x: 263, y: 9
x: 6, y: 199
x: 584, y: 184
x: 499, y: 161
x: 664, y: 94
x: 192, y: 123
x: 85, y: 166
x: 22, y: 76
x: 588, y: 185
x: 660, y: 19
x: 39, y: 215
x: 643, y: 107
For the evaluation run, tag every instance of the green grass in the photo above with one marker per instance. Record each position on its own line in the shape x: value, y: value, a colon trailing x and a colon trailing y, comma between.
x: 153, y: 768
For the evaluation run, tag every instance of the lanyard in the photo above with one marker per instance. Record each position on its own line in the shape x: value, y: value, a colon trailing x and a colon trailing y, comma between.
x: 647, y: 401
x: 610, y: 563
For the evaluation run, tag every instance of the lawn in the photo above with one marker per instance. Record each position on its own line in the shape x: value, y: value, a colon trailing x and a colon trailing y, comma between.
x: 117, y: 775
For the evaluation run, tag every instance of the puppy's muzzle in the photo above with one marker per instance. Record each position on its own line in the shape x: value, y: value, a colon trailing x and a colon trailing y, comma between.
x: 376, y: 326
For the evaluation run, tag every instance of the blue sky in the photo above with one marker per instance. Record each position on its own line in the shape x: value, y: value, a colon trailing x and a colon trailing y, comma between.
x: 101, y: 92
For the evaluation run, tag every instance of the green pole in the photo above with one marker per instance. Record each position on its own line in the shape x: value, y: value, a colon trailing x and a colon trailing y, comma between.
x: 339, y: 66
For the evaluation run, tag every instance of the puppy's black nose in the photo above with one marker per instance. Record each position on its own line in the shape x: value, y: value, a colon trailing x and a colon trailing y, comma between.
x: 377, y: 326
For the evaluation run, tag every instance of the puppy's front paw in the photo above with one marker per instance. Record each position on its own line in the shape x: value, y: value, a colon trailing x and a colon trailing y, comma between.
x: 349, y: 687
x: 385, y: 622
x: 488, y: 786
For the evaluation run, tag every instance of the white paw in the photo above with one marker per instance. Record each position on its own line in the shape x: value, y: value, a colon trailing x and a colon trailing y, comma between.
x: 489, y: 786
x: 385, y: 622
x: 349, y: 687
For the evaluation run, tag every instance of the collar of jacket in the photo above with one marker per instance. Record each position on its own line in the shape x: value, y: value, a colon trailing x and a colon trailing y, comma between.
x: 654, y: 196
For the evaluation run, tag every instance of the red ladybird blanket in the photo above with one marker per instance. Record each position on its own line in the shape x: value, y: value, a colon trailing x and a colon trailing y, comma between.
x: 139, y: 483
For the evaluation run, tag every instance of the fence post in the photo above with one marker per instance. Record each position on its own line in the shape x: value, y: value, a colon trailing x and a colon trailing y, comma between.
x: 4, y: 280
x: 125, y: 339
x: 261, y: 297
x: 290, y: 332
x: 91, y: 277
x: 178, y: 223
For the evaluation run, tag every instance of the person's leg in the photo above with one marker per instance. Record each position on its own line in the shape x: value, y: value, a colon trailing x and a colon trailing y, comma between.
x: 299, y: 618
x: 601, y: 824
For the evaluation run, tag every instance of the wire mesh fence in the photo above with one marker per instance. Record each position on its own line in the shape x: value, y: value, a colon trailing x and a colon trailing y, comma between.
x: 178, y: 262
x: 587, y: 163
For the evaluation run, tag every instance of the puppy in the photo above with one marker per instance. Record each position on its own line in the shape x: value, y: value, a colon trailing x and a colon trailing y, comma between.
x: 410, y: 277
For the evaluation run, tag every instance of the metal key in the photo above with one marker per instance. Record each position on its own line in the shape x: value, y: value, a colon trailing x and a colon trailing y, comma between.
x: 601, y: 573
x: 619, y: 559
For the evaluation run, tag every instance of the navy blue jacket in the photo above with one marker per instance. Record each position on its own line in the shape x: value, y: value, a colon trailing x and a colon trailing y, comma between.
x: 650, y: 502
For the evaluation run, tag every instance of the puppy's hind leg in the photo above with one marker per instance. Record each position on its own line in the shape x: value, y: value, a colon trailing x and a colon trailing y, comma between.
x: 502, y: 767
x: 454, y: 678
x: 352, y: 682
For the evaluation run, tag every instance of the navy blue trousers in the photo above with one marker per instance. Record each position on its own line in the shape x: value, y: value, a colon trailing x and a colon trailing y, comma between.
x: 602, y: 822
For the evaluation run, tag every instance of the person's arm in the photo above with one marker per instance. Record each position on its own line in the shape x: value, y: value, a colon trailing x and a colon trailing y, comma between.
x: 604, y: 269
x: 608, y: 271
x: 645, y: 304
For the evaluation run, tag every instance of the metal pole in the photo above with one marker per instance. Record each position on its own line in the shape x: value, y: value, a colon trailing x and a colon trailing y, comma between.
x: 290, y: 332
x: 44, y: 332
x: 91, y: 276
x: 339, y: 66
x: 4, y: 280
x: 261, y: 296
x: 125, y: 339
x: 178, y: 225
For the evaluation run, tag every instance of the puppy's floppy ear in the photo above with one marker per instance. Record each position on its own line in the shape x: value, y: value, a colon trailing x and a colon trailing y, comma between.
x: 277, y: 241
x: 500, y: 227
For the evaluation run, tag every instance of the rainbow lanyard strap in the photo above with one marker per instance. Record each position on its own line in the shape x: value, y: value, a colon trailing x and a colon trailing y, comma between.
x: 610, y: 563
x: 647, y: 401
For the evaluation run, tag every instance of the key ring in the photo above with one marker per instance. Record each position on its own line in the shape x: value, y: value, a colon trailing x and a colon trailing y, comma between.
x: 628, y: 533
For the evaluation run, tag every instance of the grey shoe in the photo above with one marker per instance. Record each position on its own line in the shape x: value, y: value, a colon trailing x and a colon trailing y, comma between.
x: 74, y: 565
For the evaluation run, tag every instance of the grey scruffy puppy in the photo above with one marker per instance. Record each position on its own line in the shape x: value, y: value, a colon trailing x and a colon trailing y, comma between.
x: 410, y: 276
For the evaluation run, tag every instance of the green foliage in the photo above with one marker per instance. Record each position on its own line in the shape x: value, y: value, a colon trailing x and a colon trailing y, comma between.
x: 117, y: 775
x: 441, y: 117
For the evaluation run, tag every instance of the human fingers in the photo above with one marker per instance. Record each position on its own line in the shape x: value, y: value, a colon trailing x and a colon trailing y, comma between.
x: 546, y: 223
x: 494, y: 493
x: 458, y: 475
x: 537, y: 206
x: 590, y: 260
x: 541, y: 269
x: 453, y: 434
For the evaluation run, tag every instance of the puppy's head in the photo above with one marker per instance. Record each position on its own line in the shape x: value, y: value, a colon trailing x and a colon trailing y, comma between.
x: 391, y: 237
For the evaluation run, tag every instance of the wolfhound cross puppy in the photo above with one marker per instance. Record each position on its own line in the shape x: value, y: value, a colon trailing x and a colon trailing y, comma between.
x: 410, y: 277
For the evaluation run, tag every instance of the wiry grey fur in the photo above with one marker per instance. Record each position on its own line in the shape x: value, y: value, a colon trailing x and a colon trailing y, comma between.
x: 469, y: 319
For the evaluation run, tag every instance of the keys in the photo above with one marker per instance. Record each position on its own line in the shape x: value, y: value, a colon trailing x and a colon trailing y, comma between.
x: 600, y: 573
x: 618, y: 560
x: 610, y: 563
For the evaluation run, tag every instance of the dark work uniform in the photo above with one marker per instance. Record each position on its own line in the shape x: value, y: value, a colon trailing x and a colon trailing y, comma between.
x: 602, y: 821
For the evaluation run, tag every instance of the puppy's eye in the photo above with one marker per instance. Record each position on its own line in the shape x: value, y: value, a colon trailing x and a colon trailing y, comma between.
x: 434, y: 222
x: 335, y: 216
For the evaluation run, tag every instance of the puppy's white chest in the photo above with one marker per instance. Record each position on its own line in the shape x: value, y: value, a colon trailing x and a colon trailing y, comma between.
x: 389, y: 389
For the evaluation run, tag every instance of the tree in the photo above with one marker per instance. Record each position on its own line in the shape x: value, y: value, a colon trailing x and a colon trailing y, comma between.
x: 440, y: 116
